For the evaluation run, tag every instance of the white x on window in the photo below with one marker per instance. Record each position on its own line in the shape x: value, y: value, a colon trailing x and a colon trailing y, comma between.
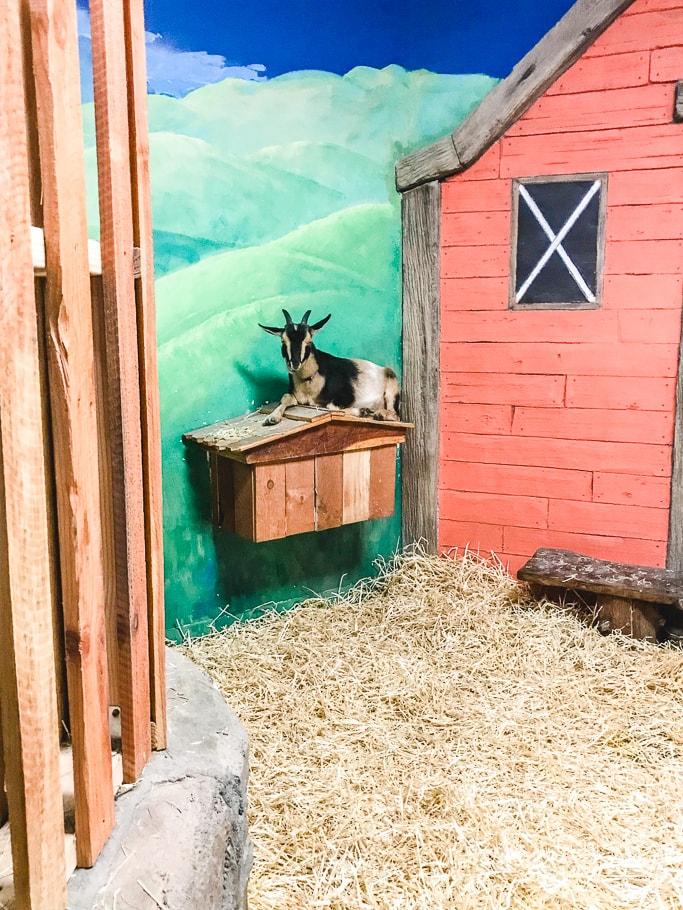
x: 556, y: 242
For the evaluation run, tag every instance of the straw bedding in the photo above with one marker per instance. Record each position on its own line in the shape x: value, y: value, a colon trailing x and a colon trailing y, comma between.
x: 436, y: 739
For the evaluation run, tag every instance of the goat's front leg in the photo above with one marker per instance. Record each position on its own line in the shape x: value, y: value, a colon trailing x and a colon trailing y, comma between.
x: 287, y: 401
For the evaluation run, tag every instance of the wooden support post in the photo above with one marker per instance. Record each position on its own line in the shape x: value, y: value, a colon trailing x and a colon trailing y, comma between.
x: 421, y: 217
x: 70, y: 352
x: 27, y: 671
x: 149, y: 386
x: 632, y: 617
x: 123, y: 378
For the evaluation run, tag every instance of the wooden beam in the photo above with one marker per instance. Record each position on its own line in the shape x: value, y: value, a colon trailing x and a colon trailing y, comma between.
x: 421, y: 220
x: 27, y: 672
x: 538, y: 70
x: 149, y: 384
x: 69, y: 333
x: 123, y: 379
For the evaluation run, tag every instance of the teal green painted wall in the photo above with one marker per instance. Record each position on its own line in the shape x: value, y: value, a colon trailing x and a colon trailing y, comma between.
x: 269, y: 195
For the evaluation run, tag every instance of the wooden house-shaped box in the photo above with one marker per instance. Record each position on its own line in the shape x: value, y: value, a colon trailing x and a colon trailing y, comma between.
x: 543, y: 283
x: 314, y: 470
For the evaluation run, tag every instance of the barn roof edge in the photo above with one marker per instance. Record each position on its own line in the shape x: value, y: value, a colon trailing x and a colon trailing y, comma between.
x: 513, y: 96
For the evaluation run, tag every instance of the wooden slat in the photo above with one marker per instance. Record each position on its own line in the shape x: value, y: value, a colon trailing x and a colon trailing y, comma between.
x: 106, y: 490
x: 421, y: 216
x: 149, y: 385
x: 270, y: 522
x: 382, y: 481
x: 124, y: 414
x: 356, y: 486
x: 299, y: 496
x: 325, y: 440
x: 544, y: 64
x: 3, y: 794
x: 27, y: 675
x: 329, y: 472
x: 245, y: 509
x: 74, y: 426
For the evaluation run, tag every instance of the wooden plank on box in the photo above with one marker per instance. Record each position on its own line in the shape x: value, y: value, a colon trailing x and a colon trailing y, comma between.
x: 27, y: 668
x: 382, y: 481
x: 245, y: 502
x: 328, y: 491
x: 356, y: 486
x: 299, y: 496
x: 270, y: 520
x: 69, y: 333
x: 123, y: 377
x: 149, y: 384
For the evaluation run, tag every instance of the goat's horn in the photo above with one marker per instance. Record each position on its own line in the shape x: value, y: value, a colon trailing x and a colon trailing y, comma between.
x: 304, y: 318
x: 288, y: 318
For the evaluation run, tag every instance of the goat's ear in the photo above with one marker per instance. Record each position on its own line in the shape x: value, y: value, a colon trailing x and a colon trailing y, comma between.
x: 271, y: 329
x: 319, y: 325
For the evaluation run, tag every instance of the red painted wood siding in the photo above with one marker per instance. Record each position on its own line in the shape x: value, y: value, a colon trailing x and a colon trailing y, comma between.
x: 557, y: 426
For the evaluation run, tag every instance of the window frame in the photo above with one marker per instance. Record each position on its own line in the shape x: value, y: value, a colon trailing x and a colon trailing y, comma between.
x: 601, y: 238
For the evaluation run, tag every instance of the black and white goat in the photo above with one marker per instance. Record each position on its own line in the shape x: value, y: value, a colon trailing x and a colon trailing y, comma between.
x: 359, y: 388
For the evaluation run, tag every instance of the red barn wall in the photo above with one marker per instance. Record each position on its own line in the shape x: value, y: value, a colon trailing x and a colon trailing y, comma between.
x: 557, y: 426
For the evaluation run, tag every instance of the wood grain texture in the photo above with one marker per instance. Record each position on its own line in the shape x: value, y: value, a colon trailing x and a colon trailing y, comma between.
x: 421, y: 216
x: 149, y: 384
x: 70, y: 352
x: 674, y: 551
x: 27, y: 668
x: 678, y: 103
x: 356, y: 487
x: 3, y: 795
x: 106, y: 487
x: 553, y: 55
x: 300, y: 496
x: 123, y: 377
x: 270, y: 502
x: 566, y: 569
x: 382, y: 481
x: 328, y: 491
x: 244, y: 498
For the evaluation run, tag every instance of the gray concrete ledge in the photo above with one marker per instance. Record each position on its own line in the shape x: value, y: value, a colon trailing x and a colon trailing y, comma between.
x: 181, y: 839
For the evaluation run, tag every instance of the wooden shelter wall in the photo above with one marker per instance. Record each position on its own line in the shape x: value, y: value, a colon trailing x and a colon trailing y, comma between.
x: 557, y: 426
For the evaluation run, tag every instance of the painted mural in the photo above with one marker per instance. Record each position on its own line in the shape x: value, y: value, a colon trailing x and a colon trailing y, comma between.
x: 270, y: 192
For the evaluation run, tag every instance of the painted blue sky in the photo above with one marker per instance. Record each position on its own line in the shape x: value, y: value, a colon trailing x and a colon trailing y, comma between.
x: 463, y: 36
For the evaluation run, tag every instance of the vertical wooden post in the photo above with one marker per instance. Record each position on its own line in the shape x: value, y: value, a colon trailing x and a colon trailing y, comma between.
x: 27, y: 674
x: 3, y: 795
x: 68, y: 321
x: 420, y: 212
x: 124, y: 418
x: 149, y: 386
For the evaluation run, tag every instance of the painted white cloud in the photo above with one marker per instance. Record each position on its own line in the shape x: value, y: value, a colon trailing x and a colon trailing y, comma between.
x: 169, y: 71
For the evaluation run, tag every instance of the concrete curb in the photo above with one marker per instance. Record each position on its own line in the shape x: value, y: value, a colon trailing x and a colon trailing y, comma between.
x: 181, y: 839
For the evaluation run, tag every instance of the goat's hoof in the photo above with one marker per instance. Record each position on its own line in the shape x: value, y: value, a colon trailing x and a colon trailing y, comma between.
x: 270, y: 421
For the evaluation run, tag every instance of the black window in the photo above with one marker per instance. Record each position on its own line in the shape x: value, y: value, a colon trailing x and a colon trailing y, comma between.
x: 557, y: 249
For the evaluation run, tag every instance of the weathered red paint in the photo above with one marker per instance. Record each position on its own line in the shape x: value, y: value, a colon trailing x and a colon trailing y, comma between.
x: 557, y: 427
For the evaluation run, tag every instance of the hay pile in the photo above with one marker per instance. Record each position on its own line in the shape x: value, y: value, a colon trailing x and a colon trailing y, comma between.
x: 438, y: 741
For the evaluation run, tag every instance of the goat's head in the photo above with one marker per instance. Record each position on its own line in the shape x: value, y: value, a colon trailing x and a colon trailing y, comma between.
x: 297, y: 338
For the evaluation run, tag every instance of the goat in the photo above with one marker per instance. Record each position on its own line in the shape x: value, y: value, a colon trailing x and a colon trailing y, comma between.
x: 359, y: 388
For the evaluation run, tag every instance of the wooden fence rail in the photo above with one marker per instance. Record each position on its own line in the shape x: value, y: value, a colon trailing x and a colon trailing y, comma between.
x: 81, y: 594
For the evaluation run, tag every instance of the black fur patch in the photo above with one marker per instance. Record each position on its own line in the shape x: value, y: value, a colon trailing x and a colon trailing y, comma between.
x: 339, y: 375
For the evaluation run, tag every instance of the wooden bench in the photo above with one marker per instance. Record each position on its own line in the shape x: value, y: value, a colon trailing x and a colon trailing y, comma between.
x: 629, y: 598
